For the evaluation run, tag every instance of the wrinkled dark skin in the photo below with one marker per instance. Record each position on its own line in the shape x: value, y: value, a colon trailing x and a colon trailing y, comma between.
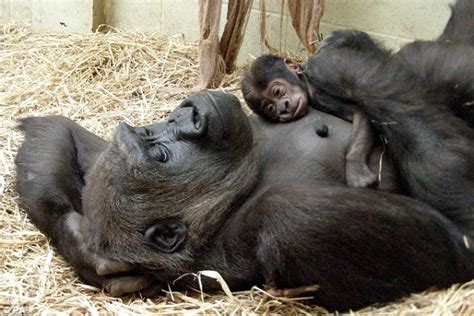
x: 211, y: 190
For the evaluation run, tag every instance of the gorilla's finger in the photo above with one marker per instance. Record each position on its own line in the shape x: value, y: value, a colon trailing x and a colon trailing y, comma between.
x: 124, y: 285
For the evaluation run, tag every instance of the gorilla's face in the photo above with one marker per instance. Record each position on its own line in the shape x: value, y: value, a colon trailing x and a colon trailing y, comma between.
x: 167, y: 185
x: 206, y: 132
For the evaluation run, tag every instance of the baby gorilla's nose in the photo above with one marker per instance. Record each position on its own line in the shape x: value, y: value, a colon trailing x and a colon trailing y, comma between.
x: 283, y: 106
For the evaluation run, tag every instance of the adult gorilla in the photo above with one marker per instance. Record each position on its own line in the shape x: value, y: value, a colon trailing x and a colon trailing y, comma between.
x: 198, y: 192
x: 261, y: 203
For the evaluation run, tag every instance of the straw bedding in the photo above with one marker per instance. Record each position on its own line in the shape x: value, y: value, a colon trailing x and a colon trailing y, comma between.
x: 99, y: 80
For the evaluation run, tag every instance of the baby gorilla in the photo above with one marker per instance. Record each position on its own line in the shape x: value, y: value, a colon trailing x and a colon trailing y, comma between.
x: 278, y: 90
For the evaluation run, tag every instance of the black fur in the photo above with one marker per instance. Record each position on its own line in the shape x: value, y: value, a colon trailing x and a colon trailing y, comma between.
x: 420, y: 100
x: 225, y: 188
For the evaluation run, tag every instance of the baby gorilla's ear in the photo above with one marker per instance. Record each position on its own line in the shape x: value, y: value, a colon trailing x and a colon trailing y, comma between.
x: 166, y: 236
x: 293, y: 66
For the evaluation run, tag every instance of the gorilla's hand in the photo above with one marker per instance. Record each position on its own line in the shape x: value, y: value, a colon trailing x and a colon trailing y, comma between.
x: 117, y: 278
x: 351, y: 39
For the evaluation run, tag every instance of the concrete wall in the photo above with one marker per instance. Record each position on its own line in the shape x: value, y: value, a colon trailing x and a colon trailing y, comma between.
x: 11, y: 10
x: 394, y: 22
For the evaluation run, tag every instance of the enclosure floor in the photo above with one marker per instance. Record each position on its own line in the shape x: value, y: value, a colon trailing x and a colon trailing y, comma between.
x: 99, y: 80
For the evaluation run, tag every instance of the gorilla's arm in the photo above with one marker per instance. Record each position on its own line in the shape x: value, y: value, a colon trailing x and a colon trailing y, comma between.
x: 431, y: 147
x: 368, y: 247
x: 50, y: 167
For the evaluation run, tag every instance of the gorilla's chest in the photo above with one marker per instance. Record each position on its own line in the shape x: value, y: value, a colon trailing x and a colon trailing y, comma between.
x: 302, y: 150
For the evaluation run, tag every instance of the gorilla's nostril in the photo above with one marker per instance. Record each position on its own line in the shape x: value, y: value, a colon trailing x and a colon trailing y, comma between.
x: 187, y: 104
x: 197, y: 119
x: 143, y: 132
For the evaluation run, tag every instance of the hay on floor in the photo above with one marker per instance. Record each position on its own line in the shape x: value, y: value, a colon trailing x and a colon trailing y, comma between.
x: 99, y: 80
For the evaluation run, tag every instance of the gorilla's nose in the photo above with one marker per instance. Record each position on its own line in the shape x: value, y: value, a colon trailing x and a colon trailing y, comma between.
x: 191, y: 117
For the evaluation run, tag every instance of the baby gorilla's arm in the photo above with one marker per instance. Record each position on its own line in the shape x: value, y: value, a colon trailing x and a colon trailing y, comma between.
x: 358, y: 173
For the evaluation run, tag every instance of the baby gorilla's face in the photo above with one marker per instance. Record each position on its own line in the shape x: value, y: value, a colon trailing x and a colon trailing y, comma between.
x: 284, y: 101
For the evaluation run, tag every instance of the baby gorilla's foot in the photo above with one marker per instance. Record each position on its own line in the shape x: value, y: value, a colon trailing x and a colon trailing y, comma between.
x: 351, y: 39
x: 359, y: 175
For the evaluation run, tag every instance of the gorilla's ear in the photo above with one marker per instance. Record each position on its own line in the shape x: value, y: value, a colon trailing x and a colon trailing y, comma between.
x: 166, y: 236
x: 293, y: 66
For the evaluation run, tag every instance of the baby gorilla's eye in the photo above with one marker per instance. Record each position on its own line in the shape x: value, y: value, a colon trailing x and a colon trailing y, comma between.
x: 278, y: 91
x: 159, y: 153
x: 270, y: 108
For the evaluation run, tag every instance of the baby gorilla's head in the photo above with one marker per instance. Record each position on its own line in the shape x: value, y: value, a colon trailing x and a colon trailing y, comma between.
x: 273, y: 88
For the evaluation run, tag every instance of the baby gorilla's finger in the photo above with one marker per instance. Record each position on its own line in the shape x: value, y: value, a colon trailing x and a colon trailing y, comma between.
x: 106, y: 267
x: 126, y: 284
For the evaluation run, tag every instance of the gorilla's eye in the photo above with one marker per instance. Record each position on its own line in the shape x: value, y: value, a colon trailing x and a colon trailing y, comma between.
x: 278, y: 91
x: 270, y: 108
x: 159, y: 152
